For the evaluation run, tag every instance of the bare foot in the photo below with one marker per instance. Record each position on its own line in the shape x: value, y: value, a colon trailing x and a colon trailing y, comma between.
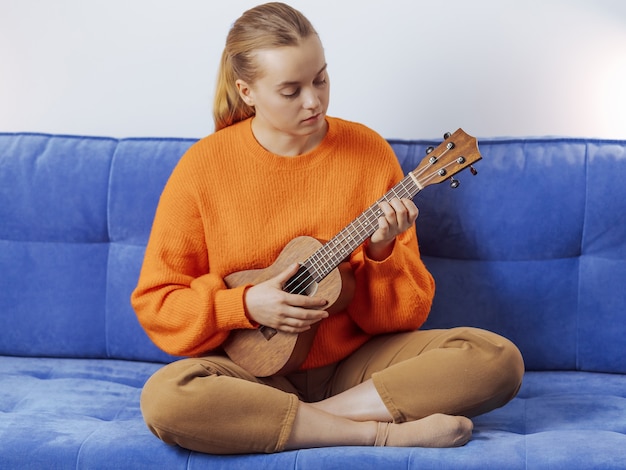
x: 437, y: 430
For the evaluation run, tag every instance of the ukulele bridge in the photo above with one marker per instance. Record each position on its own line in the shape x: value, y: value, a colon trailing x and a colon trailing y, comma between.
x: 267, y: 332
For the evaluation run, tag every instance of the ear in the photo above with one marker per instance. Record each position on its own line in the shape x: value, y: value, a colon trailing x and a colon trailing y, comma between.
x: 245, y: 92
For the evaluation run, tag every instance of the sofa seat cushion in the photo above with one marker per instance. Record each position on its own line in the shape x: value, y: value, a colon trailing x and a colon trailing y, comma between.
x: 70, y: 413
x: 55, y: 413
x: 561, y: 419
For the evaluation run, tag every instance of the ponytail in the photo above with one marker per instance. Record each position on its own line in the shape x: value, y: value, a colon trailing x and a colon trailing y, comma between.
x: 228, y: 107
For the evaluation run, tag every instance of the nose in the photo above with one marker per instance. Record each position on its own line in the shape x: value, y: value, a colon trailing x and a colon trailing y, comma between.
x: 311, y: 100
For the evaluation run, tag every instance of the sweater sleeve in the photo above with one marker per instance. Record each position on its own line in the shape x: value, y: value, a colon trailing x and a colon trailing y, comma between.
x: 184, y: 308
x: 394, y: 294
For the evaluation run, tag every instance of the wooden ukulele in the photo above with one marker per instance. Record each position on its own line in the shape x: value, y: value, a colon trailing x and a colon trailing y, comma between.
x: 265, y: 351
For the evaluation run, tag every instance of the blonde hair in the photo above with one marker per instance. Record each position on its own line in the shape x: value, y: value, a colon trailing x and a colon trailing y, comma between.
x: 263, y: 27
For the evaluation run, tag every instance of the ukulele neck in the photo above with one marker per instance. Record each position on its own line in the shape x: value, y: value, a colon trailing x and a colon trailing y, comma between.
x: 338, y: 248
x: 440, y: 164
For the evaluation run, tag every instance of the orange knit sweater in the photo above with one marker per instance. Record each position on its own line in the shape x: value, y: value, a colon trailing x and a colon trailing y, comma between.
x: 230, y: 205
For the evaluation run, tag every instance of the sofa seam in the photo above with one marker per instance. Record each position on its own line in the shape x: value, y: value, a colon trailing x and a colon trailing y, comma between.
x: 577, y: 360
x: 82, y: 444
x: 107, y: 348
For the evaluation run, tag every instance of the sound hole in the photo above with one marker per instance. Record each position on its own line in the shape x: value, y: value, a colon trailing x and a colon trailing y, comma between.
x: 301, y: 283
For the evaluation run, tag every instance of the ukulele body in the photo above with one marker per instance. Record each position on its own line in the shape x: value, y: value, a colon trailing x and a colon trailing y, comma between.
x: 264, y: 351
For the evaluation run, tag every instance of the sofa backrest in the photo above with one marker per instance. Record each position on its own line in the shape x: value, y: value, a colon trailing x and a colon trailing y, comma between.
x: 533, y: 247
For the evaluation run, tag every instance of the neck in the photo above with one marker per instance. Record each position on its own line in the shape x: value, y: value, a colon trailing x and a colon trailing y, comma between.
x: 287, y: 145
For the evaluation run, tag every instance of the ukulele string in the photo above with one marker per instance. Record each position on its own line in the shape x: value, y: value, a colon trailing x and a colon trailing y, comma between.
x: 353, y: 235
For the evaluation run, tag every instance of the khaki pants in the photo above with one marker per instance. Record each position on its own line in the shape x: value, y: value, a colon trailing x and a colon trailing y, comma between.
x: 211, y: 405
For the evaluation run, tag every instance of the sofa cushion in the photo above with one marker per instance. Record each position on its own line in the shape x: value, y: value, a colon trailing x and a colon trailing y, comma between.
x: 139, y: 171
x: 602, y: 295
x: 84, y: 413
x: 53, y: 244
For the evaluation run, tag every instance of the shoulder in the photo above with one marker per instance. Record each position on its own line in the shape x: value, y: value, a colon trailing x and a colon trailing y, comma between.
x: 358, y: 139
x: 206, y: 161
x: 229, y: 137
x: 355, y: 134
x: 345, y: 127
x: 209, y: 153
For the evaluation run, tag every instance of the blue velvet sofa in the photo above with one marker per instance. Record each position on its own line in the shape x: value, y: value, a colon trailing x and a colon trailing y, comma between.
x: 533, y: 247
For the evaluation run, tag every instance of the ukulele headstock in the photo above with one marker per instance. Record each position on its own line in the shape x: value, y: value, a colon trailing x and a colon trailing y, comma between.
x: 457, y: 152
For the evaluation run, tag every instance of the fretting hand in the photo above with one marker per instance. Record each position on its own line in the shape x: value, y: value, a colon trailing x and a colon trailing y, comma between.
x: 398, y: 216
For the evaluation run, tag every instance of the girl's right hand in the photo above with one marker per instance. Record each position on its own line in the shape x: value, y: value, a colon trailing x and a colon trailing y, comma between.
x: 269, y: 305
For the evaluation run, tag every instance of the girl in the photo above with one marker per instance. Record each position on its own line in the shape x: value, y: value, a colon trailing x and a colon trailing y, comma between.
x: 278, y: 167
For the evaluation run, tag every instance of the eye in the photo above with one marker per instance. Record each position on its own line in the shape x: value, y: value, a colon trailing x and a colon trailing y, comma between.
x: 321, y: 79
x: 290, y: 92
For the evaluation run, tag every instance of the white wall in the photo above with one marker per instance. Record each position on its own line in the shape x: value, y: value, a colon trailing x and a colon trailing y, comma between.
x: 407, y: 68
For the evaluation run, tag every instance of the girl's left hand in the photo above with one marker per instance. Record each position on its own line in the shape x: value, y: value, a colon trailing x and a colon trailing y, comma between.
x: 398, y: 216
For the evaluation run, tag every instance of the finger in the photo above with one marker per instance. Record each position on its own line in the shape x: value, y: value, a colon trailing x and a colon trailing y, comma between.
x: 405, y: 212
x: 388, y: 217
x: 287, y: 274
x: 412, y: 208
x: 295, y: 325
x: 305, y: 301
x: 288, y: 329
x: 383, y: 230
x: 394, y: 210
x: 386, y: 208
x: 388, y: 224
x: 292, y: 329
x: 400, y: 211
x: 411, y: 214
x: 301, y: 318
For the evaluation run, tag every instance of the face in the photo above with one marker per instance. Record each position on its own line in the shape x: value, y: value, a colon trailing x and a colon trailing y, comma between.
x: 291, y: 95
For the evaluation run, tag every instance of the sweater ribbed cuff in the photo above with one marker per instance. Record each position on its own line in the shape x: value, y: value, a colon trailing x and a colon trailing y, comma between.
x: 230, y: 311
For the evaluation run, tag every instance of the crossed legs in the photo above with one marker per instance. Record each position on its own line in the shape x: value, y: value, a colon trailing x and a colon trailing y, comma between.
x: 409, y: 389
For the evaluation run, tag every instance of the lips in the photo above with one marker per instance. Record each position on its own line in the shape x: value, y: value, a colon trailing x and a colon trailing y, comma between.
x: 313, y: 118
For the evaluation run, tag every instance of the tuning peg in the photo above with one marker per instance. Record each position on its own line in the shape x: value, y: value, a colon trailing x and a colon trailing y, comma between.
x: 446, y: 135
x: 429, y: 149
x: 473, y: 170
x: 454, y: 183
